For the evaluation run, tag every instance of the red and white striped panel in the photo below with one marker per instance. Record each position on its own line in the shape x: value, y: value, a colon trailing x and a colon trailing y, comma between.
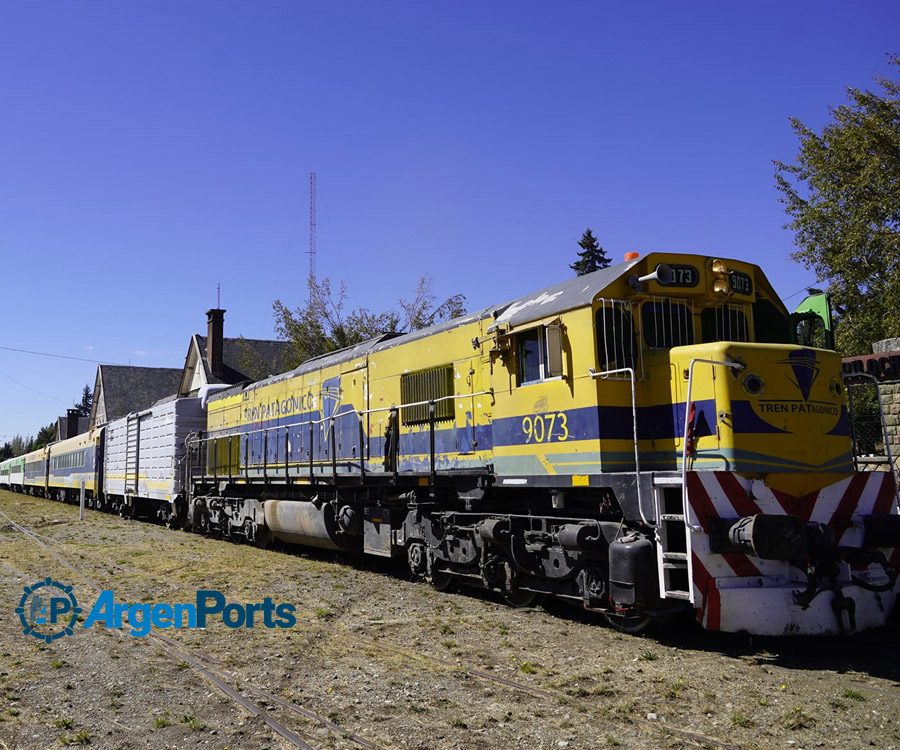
x: 741, y: 579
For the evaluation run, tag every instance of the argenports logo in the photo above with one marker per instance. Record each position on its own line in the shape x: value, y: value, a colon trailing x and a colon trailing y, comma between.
x: 43, y: 610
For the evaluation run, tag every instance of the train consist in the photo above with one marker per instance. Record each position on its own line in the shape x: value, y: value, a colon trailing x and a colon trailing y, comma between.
x: 641, y: 441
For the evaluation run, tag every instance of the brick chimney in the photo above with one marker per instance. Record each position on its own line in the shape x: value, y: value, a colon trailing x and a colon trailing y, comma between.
x: 71, y: 425
x: 215, y: 320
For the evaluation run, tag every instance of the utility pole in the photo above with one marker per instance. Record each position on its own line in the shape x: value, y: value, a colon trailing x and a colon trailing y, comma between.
x: 312, y: 234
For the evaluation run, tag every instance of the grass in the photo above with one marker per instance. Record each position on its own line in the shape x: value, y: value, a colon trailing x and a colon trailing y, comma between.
x: 854, y: 695
x: 528, y: 668
x: 192, y: 722
x: 798, y: 719
x: 740, y: 720
x: 649, y: 656
x: 82, y: 738
x: 161, y: 722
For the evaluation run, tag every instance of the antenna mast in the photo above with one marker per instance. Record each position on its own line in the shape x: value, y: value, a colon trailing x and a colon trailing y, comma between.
x: 312, y: 233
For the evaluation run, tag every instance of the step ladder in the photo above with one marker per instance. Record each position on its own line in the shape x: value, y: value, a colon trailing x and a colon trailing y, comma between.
x: 673, y: 540
x: 132, y: 453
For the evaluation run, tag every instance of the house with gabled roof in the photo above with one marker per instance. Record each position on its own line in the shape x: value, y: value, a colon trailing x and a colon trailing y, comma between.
x: 216, y: 360
x: 120, y: 390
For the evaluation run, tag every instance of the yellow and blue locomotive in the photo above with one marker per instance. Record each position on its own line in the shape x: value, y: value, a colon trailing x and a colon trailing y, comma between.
x: 642, y: 441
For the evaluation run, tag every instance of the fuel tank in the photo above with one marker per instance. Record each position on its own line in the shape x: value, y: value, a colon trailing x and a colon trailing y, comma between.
x: 300, y: 522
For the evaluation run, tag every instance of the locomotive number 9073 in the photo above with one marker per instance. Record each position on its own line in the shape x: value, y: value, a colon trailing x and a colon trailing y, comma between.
x: 545, y: 428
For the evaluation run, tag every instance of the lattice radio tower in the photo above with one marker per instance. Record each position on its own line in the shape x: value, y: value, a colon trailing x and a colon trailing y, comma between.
x: 312, y: 233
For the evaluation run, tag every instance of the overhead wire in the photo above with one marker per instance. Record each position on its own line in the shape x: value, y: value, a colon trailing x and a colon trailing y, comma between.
x: 59, y: 356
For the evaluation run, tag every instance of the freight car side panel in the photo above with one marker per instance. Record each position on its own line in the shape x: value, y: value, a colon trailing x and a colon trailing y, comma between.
x: 145, y: 451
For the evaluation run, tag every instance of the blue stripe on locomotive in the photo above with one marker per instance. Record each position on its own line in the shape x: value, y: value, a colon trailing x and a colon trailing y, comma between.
x: 660, y: 422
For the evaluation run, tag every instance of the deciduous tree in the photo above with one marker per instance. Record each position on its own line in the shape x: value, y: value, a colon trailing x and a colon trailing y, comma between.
x: 843, y: 197
x: 324, y: 324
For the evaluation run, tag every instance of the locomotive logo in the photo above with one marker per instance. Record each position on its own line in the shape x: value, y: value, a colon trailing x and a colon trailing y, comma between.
x: 805, y: 367
x: 48, y: 610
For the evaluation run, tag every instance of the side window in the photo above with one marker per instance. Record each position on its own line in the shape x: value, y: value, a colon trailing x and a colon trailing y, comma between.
x: 667, y: 323
x: 724, y: 323
x: 539, y: 353
x: 616, y: 345
x: 530, y: 356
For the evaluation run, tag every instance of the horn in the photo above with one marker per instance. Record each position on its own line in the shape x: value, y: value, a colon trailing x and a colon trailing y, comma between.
x: 661, y: 274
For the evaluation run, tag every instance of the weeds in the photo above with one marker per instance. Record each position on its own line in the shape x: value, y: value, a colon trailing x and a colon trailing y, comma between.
x: 82, y: 738
x: 798, y: 719
x: 739, y: 720
x: 192, y: 722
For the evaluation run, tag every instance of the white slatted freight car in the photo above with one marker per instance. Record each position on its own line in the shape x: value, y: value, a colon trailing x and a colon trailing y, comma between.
x: 144, y: 458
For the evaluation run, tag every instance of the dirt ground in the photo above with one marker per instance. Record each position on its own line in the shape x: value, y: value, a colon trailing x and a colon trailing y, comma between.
x: 395, y: 664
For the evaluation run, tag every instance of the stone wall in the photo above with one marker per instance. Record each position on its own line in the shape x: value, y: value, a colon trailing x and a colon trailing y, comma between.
x: 890, y: 401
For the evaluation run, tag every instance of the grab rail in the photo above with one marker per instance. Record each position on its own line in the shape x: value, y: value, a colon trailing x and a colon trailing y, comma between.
x: 637, y: 458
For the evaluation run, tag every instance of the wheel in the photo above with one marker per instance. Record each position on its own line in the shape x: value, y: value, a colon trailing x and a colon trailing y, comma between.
x: 632, y: 623
x: 521, y: 598
x: 263, y: 537
x: 441, y: 580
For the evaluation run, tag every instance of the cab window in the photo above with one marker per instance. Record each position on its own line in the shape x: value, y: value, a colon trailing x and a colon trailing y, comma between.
x: 616, y: 345
x: 770, y: 324
x: 724, y: 323
x: 532, y: 356
x: 667, y: 323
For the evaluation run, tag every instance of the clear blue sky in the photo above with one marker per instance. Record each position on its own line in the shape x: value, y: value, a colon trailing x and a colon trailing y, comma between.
x: 150, y: 150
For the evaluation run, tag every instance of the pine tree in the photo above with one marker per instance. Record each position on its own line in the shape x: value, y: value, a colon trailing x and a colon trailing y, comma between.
x: 592, y: 257
x: 87, y: 399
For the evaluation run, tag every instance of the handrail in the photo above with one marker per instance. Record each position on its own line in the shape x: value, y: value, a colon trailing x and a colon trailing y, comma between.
x: 330, y: 419
x: 637, y: 459
x: 884, y: 432
x: 687, y: 407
